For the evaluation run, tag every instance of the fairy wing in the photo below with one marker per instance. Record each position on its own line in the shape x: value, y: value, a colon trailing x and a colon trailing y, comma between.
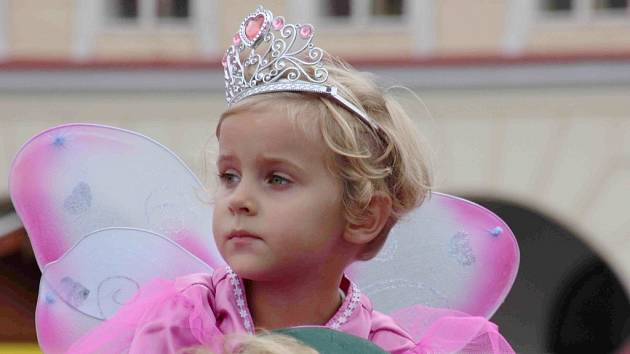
x: 449, y: 253
x: 71, y: 180
x: 106, y: 210
x: 98, y: 275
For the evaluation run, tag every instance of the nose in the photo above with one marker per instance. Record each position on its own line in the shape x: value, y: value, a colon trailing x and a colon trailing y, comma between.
x: 242, y: 201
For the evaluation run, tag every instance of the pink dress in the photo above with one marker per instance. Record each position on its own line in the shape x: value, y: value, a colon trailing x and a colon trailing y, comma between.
x: 197, y: 310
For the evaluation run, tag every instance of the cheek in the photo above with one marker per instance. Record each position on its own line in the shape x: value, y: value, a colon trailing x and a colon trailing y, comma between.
x: 321, y: 220
x: 217, y: 220
x: 219, y: 204
x: 331, y: 208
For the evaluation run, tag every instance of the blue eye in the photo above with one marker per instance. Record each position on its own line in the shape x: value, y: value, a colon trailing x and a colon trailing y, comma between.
x: 278, y: 180
x: 229, y: 178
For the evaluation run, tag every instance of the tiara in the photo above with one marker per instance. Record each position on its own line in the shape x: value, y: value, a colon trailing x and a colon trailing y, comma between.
x: 269, y: 55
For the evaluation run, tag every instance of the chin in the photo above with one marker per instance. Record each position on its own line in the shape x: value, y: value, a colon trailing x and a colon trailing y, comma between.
x: 250, y: 269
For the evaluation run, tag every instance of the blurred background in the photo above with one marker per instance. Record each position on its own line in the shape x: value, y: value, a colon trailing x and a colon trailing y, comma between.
x: 526, y: 104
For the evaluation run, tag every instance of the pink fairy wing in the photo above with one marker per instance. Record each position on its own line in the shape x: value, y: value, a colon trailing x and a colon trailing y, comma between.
x: 449, y: 253
x: 99, y: 274
x: 71, y: 180
x: 106, y: 210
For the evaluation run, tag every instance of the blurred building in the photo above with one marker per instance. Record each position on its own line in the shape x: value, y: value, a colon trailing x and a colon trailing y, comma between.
x: 527, y: 109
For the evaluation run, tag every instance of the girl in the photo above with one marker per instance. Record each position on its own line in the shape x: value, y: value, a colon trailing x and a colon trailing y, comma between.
x: 316, y: 165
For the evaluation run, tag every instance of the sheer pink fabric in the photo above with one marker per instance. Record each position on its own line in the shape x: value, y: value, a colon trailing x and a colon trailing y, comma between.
x: 198, y: 310
x: 449, y: 331
x: 164, y: 318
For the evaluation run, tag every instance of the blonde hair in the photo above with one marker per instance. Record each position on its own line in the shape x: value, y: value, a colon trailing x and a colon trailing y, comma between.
x: 392, y: 162
x: 265, y: 343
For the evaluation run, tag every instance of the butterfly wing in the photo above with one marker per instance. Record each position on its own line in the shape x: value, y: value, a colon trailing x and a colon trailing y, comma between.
x: 74, y: 179
x: 449, y: 253
x: 100, y: 274
x: 106, y: 210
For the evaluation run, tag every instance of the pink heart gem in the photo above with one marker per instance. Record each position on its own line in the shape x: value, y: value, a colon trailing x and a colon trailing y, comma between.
x: 254, y: 26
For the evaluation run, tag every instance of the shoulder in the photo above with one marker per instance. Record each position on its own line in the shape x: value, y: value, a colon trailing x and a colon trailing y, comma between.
x: 357, y: 317
x: 203, y: 280
x: 387, y: 334
x: 209, y: 281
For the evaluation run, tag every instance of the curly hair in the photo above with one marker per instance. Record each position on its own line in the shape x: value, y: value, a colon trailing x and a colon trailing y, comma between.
x: 392, y: 161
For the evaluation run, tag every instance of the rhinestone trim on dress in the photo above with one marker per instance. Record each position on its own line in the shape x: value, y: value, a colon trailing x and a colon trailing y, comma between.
x: 243, y: 311
x: 343, y: 317
x: 335, y: 323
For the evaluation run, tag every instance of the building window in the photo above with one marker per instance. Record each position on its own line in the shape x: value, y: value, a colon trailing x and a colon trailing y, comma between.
x: 124, y: 9
x: 585, y: 9
x: 149, y: 13
x: 387, y: 7
x: 557, y: 5
x: 173, y: 9
x: 337, y: 8
x: 607, y: 5
x: 363, y: 12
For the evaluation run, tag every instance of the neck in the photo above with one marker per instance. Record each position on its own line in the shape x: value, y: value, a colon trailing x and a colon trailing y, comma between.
x: 293, y: 302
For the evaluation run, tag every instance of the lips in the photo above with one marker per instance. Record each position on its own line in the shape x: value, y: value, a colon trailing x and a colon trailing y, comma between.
x: 242, y: 235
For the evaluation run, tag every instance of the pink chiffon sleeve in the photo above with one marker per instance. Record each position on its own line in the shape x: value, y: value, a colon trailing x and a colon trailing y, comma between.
x: 448, y: 331
x: 165, y: 317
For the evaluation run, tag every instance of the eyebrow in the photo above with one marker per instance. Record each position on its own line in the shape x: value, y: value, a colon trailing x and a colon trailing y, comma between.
x: 263, y: 160
x: 226, y: 158
x: 275, y: 160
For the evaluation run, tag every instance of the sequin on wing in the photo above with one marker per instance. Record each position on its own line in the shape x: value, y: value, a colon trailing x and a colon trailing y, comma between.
x: 460, y: 249
x: 80, y: 200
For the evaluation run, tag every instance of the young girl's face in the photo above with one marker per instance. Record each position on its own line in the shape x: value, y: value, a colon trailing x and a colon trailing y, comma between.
x: 278, y: 208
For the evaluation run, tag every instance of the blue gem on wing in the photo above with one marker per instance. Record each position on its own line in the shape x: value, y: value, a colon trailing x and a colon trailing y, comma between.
x: 59, y: 141
x: 496, y: 231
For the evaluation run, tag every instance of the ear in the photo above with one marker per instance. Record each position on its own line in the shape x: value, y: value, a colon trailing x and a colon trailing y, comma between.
x: 375, y: 217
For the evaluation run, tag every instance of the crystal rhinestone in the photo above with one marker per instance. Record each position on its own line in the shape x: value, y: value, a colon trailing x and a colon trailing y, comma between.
x: 277, y: 23
x: 306, y: 31
x: 224, y: 60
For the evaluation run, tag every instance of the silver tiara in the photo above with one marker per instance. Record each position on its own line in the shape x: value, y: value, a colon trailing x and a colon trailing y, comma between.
x: 269, y: 55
